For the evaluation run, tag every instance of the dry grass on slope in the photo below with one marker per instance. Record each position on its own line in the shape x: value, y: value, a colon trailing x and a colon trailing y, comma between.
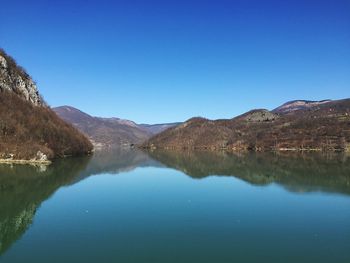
x: 26, y: 129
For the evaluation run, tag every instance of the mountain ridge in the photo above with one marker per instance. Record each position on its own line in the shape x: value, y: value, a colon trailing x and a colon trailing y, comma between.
x: 109, y: 132
x: 319, y: 126
x: 295, y: 105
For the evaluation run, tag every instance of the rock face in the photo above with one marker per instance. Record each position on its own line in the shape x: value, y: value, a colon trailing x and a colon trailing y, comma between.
x: 29, y: 130
x: 260, y: 116
x: 14, y: 79
x: 323, y: 127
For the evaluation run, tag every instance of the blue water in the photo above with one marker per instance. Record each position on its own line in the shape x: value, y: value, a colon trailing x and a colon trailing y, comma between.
x: 138, y: 208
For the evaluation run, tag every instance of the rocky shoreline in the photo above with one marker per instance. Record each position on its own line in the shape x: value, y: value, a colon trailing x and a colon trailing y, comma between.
x: 39, y: 159
x: 15, y: 161
x: 241, y: 149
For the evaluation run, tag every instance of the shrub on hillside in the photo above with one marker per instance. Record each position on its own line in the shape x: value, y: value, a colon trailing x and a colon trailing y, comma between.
x: 26, y: 129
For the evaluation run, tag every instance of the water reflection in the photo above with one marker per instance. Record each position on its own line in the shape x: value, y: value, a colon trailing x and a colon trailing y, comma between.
x: 115, y: 161
x: 23, y: 188
x: 294, y: 171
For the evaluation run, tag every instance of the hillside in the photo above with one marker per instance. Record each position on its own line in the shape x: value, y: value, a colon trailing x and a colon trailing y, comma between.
x: 296, y: 105
x: 30, y: 130
x: 158, y: 128
x: 321, y: 126
x: 109, y: 132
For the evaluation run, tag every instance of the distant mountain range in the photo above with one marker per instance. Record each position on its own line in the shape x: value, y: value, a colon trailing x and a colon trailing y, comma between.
x: 110, y: 132
x: 32, y: 131
x: 296, y: 125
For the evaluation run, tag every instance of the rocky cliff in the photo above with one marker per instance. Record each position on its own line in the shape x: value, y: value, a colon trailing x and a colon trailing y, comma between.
x: 14, y: 78
x: 29, y: 130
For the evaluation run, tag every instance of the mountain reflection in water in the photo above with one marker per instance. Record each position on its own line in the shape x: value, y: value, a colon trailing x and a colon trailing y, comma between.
x: 23, y: 188
x: 294, y: 171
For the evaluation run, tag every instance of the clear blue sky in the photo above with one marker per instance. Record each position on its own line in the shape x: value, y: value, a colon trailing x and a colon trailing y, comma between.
x: 163, y: 61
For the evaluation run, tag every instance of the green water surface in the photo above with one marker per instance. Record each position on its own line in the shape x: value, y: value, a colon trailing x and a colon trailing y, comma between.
x: 163, y: 206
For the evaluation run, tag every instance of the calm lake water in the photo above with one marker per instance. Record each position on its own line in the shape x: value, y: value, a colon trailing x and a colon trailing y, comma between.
x: 129, y: 206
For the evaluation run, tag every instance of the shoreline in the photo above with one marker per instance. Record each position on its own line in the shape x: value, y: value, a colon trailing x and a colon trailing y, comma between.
x: 21, y: 161
x: 217, y: 149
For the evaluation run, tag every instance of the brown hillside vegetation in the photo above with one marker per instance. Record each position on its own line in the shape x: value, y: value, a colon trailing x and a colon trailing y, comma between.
x: 323, y: 127
x: 103, y: 132
x: 110, y: 132
x: 29, y: 129
x: 26, y: 129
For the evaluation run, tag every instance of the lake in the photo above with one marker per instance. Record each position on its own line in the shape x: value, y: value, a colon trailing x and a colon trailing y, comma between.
x: 163, y: 206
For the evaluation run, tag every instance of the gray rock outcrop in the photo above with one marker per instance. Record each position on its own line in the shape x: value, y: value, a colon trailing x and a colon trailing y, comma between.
x: 260, y: 116
x: 14, y: 79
